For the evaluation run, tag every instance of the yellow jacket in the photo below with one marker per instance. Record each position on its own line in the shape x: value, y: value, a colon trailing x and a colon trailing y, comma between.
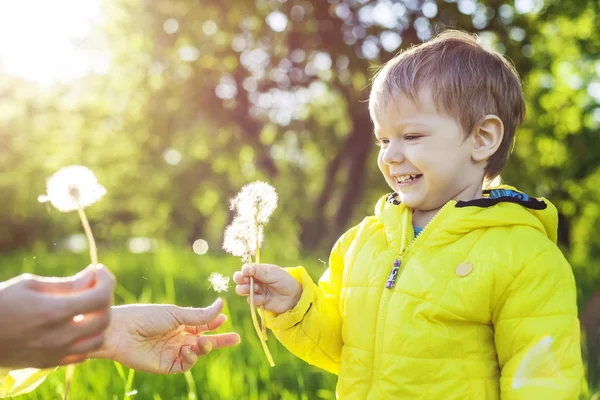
x: 484, y: 306
x: 19, y: 381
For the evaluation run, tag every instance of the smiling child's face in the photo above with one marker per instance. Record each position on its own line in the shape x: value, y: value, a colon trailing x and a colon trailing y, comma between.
x: 425, y: 156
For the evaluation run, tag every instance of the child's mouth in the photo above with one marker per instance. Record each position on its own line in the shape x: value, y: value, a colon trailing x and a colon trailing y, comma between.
x: 407, y: 180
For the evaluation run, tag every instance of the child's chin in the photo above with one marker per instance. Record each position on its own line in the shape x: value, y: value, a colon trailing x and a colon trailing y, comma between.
x: 409, y: 201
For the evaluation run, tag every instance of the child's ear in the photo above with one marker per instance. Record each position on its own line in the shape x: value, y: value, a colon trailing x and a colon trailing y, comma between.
x: 487, y: 137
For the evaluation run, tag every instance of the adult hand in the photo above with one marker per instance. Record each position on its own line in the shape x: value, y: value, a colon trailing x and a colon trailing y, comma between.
x: 39, y: 328
x: 163, y: 339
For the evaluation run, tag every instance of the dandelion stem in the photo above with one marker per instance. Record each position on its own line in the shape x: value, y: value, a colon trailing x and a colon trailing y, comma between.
x: 94, y: 259
x: 68, y: 379
x: 90, y: 237
x: 255, y: 321
x: 262, y: 306
x: 252, y: 308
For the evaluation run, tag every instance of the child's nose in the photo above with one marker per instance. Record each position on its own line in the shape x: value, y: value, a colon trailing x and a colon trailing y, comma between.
x: 394, y: 154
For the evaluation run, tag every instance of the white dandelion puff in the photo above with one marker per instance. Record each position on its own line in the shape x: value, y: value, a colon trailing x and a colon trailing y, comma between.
x: 256, y: 200
x: 71, y: 188
x: 219, y: 282
x: 241, y: 238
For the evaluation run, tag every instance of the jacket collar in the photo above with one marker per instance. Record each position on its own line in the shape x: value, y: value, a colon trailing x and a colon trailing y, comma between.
x: 505, y: 207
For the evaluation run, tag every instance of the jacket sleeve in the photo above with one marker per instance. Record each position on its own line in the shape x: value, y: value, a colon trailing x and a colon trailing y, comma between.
x: 19, y: 381
x: 537, y: 332
x: 312, y: 330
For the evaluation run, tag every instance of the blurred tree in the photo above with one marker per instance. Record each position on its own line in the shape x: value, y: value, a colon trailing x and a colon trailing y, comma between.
x: 203, y: 97
x: 274, y: 89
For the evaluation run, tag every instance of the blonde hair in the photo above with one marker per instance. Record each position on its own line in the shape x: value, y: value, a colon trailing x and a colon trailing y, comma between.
x: 467, y: 81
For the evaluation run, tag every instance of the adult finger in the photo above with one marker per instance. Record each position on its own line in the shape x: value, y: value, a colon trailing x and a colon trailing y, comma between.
x: 211, y: 326
x: 203, y: 346
x: 82, y: 280
x: 72, y: 359
x: 87, y: 345
x: 97, y: 298
x: 261, y: 272
x: 222, y: 340
x: 64, y: 335
x: 189, y: 358
x: 197, y: 316
x: 91, y: 325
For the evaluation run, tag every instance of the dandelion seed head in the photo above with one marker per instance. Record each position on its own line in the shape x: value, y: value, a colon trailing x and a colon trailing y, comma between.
x: 74, y: 192
x: 219, y: 282
x: 241, y: 238
x: 72, y: 187
x: 235, y: 243
x: 256, y: 200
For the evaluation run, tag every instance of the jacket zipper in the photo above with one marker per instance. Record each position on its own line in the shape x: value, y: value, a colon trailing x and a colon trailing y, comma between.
x: 395, y: 274
x: 450, y: 203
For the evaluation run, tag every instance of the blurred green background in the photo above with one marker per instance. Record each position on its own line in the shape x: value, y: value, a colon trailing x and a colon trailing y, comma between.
x: 175, y: 104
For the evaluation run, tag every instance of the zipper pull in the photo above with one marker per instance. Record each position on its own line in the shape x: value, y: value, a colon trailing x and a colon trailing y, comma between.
x: 391, y: 281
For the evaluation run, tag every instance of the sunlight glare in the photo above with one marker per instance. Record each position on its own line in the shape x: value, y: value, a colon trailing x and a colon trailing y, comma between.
x: 39, y: 39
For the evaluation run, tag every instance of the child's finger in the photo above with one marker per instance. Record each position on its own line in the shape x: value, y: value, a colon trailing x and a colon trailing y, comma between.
x: 239, y: 278
x: 248, y: 270
x: 259, y: 299
x: 244, y: 290
x: 265, y: 273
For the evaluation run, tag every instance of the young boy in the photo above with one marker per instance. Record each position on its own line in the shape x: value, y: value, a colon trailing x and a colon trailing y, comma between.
x: 450, y: 291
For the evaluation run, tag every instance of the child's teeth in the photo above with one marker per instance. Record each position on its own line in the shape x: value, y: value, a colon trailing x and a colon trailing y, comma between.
x: 406, y: 178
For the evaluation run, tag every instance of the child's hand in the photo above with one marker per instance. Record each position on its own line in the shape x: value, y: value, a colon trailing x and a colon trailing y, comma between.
x: 273, y: 286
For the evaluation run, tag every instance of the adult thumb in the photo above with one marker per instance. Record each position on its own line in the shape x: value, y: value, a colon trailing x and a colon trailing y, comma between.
x: 81, y: 281
x: 197, y: 316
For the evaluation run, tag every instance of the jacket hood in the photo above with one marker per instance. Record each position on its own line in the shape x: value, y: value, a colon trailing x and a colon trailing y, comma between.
x: 500, y: 206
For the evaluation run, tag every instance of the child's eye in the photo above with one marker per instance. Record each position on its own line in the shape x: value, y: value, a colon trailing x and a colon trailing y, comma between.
x: 412, y: 137
x: 382, y: 143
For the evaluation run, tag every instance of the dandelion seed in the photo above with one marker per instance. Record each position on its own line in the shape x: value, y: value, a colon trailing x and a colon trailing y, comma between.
x: 256, y: 200
x: 219, y: 282
x: 72, y: 187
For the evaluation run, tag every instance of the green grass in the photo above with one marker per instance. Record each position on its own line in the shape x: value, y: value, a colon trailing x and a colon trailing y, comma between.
x: 179, y: 276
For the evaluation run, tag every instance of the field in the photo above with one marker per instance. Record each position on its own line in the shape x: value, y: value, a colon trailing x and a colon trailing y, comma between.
x: 180, y: 276
x: 177, y: 276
